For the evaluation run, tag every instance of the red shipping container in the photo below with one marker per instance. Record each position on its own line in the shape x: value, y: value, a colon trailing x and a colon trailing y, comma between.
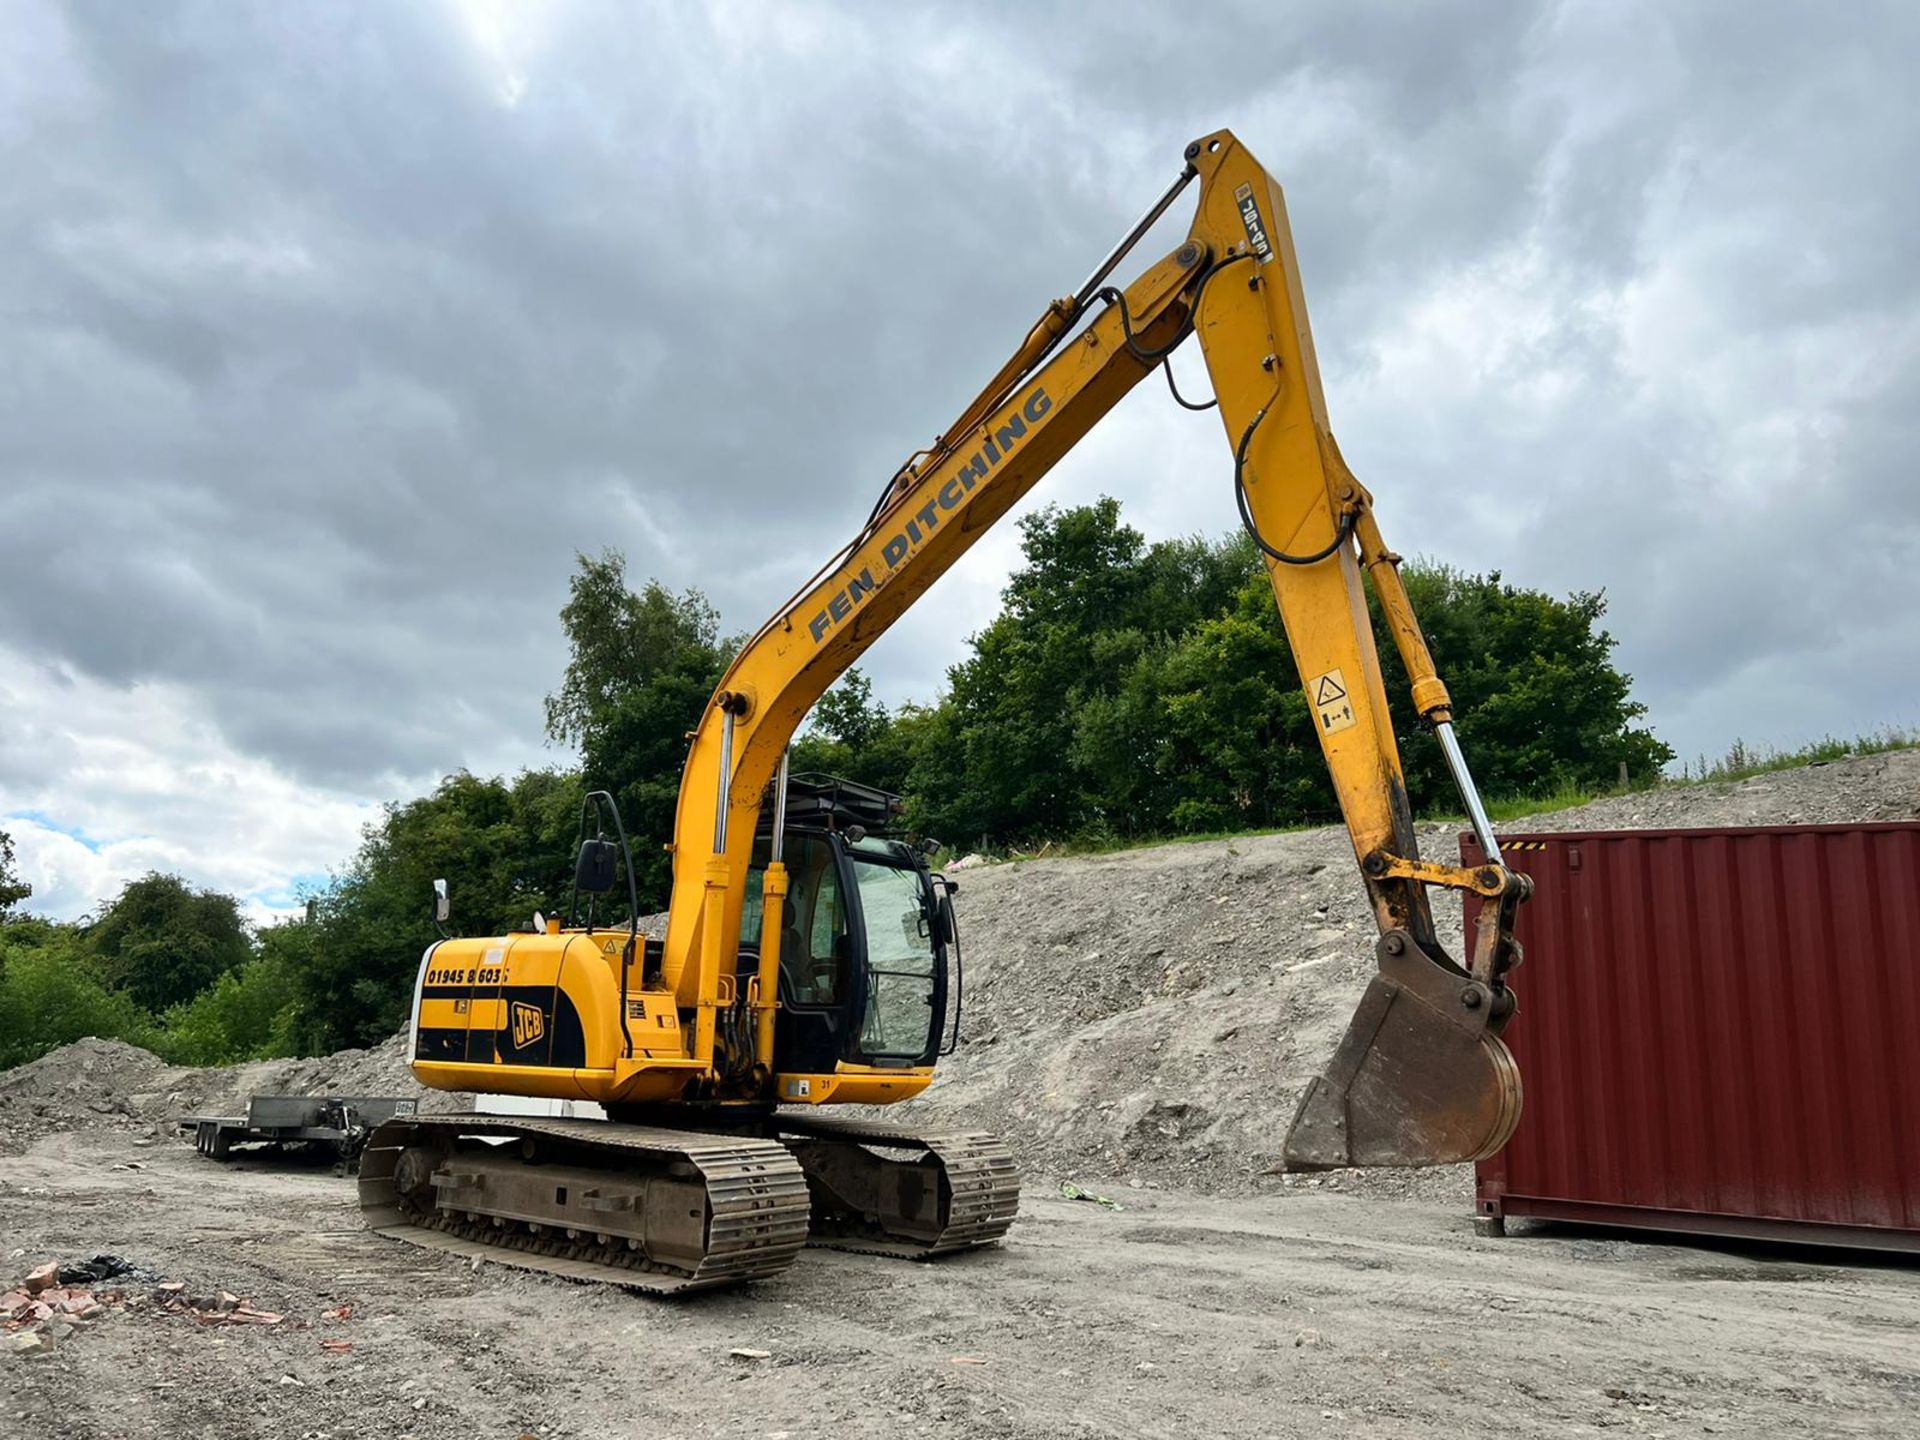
x: 1719, y: 1032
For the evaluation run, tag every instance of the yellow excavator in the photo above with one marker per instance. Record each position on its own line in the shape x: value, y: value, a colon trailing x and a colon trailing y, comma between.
x: 810, y: 956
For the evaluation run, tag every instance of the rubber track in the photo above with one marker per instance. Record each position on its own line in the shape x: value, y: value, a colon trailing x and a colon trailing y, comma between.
x: 981, y: 1176
x: 756, y: 1197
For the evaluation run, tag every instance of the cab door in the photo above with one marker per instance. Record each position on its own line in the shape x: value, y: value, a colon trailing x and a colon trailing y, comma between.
x: 813, y: 1030
x: 900, y: 999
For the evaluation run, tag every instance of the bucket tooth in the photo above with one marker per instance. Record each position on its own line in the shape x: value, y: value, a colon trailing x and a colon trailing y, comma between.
x: 1420, y: 1078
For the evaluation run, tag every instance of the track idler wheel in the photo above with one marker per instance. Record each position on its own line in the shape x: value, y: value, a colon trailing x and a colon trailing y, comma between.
x: 1421, y: 1077
x: 413, y: 1175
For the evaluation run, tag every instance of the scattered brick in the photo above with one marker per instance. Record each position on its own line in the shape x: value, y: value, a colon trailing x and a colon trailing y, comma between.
x: 39, y: 1311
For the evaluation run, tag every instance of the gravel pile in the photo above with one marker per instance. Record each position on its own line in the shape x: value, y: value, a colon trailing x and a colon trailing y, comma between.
x: 1138, y: 1020
x: 1150, y: 1018
x: 93, y: 1083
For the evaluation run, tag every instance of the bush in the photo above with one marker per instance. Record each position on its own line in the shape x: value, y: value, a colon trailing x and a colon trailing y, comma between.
x: 247, y: 1014
x: 50, y: 996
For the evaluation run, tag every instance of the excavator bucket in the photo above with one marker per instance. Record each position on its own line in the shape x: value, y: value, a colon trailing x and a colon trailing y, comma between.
x: 1421, y: 1078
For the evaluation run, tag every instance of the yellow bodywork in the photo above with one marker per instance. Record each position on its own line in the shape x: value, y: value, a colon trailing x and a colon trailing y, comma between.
x: 505, y: 1014
x: 1251, y: 321
x: 1236, y: 284
x: 540, y: 1014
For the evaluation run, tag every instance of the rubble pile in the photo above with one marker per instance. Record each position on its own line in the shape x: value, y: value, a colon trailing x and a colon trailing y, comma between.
x: 40, y: 1311
x: 57, y: 1300
x: 1149, y: 1017
x: 93, y: 1084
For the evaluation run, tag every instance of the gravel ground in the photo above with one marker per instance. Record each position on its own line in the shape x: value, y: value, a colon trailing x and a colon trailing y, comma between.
x: 1306, y: 1314
x: 1139, y: 1023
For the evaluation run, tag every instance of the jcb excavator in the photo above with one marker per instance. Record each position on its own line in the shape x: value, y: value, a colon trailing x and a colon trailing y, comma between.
x: 806, y: 959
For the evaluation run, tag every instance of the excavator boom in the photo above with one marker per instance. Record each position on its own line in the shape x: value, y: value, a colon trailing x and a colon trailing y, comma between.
x: 1421, y: 1078
x: 766, y: 990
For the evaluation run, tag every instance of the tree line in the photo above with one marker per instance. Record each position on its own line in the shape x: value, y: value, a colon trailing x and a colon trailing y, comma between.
x: 1125, y: 691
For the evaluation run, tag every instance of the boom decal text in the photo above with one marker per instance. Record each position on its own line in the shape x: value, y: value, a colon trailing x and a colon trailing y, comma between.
x: 997, y: 443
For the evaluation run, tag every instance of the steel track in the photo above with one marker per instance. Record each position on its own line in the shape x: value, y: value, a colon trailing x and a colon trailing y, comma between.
x: 980, y: 1174
x: 757, y: 1201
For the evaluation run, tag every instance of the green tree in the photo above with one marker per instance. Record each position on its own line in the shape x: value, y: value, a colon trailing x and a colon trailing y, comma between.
x: 849, y: 715
x: 1538, y: 702
x: 505, y: 850
x: 1090, y: 601
x: 641, y: 669
x: 252, y: 1013
x: 855, y: 736
x: 1208, y: 730
x: 12, y: 888
x: 162, y: 942
x: 50, y: 995
x: 1132, y: 690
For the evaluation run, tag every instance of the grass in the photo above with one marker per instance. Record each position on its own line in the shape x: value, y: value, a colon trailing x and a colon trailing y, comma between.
x: 1741, y: 762
x: 1564, y: 797
x: 1114, y: 844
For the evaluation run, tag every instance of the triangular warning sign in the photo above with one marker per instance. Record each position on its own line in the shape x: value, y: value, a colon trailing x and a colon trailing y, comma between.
x: 1328, y: 690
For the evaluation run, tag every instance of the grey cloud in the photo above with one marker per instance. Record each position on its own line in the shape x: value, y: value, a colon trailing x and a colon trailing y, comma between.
x: 321, y: 361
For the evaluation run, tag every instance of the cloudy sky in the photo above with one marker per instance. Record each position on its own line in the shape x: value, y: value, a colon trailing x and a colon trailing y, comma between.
x: 328, y: 334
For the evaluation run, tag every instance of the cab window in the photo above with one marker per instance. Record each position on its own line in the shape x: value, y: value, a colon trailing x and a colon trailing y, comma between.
x: 902, y: 970
x: 813, y: 949
x: 753, y: 907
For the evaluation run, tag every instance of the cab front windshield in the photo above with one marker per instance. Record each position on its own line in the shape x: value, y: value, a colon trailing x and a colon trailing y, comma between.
x: 901, y: 967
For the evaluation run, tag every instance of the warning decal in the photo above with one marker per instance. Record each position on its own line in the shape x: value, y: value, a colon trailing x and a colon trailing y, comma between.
x: 1329, y: 695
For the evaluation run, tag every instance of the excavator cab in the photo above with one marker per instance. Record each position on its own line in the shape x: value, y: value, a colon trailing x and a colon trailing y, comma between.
x: 866, y: 933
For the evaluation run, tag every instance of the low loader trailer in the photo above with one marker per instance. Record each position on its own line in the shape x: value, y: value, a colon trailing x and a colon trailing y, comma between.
x: 341, y: 1124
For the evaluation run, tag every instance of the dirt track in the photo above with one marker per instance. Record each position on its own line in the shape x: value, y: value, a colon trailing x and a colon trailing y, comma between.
x: 1307, y: 1314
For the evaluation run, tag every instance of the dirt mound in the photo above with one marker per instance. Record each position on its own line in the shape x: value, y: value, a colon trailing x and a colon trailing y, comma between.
x: 1144, y: 1018
x: 1838, y: 792
x: 1150, y: 1017
x: 93, y: 1083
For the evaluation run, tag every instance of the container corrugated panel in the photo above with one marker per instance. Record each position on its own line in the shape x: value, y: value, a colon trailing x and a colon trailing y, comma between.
x: 1719, y: 1031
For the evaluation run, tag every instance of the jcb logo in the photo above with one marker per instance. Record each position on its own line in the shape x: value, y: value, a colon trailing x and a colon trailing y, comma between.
x: 529, y: 1024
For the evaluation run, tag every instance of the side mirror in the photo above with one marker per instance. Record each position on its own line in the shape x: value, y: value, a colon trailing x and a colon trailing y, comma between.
x: 598, y: 865
x: 442, y: 906
x: 929, y: 846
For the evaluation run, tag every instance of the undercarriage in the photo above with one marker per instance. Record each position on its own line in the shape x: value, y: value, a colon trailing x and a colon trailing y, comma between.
x: 667, y: 1211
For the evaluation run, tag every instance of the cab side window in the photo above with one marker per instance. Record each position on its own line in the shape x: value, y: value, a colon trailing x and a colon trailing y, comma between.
x: 753, y: 908
x: 752, y: 914
x: 813, y: 947
x: 813, y: 951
